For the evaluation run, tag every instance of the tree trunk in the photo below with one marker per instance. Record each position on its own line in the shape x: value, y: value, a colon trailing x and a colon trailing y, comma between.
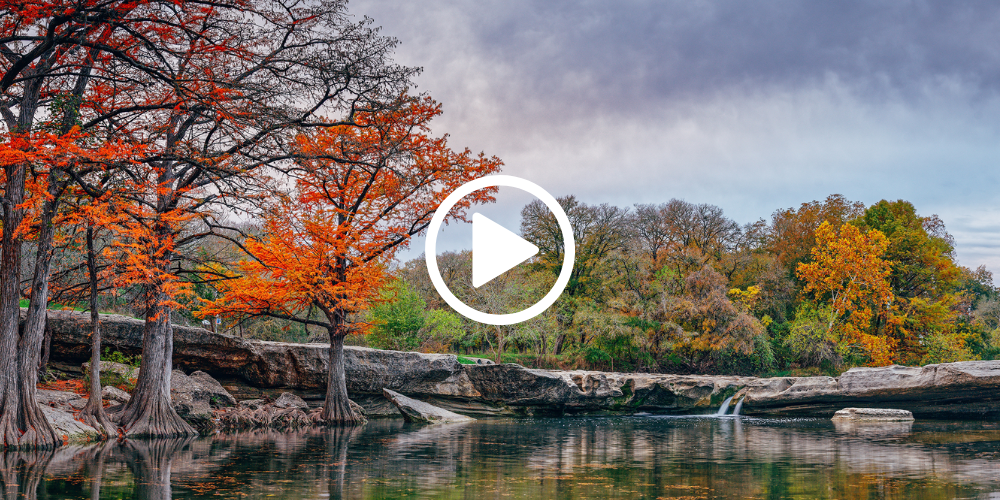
x: 10, y: 280
x: 150, y: 413
x: 557, y: 348
x: 337, y: 407
x: 93, y: 413
x: 38, y: 432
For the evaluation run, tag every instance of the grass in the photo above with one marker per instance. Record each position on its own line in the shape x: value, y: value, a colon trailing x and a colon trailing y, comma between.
x: 53, y: 306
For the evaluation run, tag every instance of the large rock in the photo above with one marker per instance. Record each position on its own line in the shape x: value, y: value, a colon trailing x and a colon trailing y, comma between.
x: 194, y: 396
x: 954, y: 390
x: 67, y: 426
x: 873, y: 415
x: 418, y: 411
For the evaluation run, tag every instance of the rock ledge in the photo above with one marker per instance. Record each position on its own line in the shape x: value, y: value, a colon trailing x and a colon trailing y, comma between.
x: 873, y: 415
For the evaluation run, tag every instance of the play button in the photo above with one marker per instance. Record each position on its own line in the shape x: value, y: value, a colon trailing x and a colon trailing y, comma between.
x: 495, y: 250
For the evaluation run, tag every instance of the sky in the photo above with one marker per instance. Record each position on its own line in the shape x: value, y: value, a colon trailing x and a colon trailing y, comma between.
x: 752, y: 106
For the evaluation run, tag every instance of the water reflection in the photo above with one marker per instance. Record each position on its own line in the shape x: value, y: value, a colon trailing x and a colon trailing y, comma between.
x: 559, y: 458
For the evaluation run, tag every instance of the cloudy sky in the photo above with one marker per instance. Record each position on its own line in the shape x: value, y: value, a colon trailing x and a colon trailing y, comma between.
x: 752, y: 106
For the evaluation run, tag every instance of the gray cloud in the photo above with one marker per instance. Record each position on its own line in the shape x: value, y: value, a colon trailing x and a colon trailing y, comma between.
x: 753, y: 106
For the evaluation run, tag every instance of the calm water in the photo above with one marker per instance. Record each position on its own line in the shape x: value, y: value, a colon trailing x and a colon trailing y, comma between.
x: 634, y: 457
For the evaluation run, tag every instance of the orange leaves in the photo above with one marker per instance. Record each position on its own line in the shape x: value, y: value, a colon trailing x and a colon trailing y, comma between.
x: 358, y: 193
x: 848, y: 270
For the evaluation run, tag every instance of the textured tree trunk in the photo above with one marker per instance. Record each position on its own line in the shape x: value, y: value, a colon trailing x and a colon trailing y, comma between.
x: 10, y: 273
x: 150, y: 413
x: 93, y: 413
x: 337, y: 407
x: 557, y: 348
x: 37, y: 431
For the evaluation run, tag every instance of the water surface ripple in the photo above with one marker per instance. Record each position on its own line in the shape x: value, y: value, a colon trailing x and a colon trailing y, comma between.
x: 613, y: 457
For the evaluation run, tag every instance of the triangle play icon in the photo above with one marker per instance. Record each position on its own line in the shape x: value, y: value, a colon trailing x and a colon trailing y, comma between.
x: 495, y: 250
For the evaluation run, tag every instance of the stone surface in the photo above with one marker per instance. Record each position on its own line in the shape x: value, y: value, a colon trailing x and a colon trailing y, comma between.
x: 955, y: 390
x: 194, y: 396
x: 873, y: 415
x: 125, y: 371
x: 66, y: 401
x: 67, y: 426
x: 289, y: 400
x: 418, y: 411
x: 114, y: 395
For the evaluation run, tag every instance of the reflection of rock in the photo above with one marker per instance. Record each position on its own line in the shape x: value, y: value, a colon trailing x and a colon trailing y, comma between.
x: 873, y: 428
x: 67, y: 426
x: 873, y: 415
x: 418, y: 411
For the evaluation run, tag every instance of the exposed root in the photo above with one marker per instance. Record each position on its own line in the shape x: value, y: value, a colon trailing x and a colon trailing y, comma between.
x: 154, y: 418
x: 94, y: 415
x: 9, y: 433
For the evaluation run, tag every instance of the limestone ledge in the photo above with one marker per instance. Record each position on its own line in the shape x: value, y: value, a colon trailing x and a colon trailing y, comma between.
x: 953, y: 390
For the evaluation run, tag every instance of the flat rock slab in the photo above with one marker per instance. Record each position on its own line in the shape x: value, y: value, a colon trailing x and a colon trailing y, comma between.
x: 873, y: 415
x: 418, y: 411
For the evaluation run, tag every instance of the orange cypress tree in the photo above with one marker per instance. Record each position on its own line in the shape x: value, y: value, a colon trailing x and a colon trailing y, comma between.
x: 359, y: 193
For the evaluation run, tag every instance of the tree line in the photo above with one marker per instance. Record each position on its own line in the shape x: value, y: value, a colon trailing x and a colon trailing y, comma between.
x: 679, y: 287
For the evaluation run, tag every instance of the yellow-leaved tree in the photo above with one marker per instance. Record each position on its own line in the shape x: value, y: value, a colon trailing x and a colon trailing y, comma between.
x: 849, y: 274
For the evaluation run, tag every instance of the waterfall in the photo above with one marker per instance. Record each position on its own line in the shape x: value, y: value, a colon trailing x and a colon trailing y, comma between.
x: 739, y: 405
x: 725, y: 406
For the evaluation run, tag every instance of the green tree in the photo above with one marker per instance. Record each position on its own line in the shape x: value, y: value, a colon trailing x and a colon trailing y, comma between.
x: 397, y: 318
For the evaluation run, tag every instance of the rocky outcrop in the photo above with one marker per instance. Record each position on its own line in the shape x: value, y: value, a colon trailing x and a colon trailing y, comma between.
x: 873, y: 415
x: 418, y: 411
x: 954, y: 390
x: 969, y: 389
x: 194, y: 396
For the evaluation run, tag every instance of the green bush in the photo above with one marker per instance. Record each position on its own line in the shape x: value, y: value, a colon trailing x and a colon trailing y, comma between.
x: 397, y: 318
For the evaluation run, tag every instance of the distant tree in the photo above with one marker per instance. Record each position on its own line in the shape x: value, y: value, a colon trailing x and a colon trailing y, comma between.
x: 598, y: 231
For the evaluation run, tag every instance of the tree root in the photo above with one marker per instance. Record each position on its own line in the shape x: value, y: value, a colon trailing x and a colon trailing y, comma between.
x: 93, y: 414
x: 154, y: 418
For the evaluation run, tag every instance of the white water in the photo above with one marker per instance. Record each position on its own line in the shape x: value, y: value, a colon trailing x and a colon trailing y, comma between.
x: 739, y: 405
x: 725, y: 406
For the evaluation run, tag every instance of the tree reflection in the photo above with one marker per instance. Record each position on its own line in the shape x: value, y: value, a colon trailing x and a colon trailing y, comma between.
x: 21, y: 472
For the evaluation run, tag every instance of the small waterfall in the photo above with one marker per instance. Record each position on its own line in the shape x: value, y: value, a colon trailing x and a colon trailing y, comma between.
x: 725, y: 406
x: 739, y: 405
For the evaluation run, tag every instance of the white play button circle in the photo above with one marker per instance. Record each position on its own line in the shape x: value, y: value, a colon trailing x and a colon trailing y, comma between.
x: 495, y: 250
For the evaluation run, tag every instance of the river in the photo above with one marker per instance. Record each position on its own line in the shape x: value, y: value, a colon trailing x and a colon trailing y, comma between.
x: 608, y: 457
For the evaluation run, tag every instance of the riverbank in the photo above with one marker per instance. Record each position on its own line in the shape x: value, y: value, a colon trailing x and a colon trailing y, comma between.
x: 251, y: 370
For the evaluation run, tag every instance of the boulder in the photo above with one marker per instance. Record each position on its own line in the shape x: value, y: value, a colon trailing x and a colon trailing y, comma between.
x: 67, y: 426
x: 418, y: 411
x: 126, y: 372
x: 114, y: 395
x: 873, y: 415
x: 62, y: 400
x: 289, y: 400
x: 194, y: 396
